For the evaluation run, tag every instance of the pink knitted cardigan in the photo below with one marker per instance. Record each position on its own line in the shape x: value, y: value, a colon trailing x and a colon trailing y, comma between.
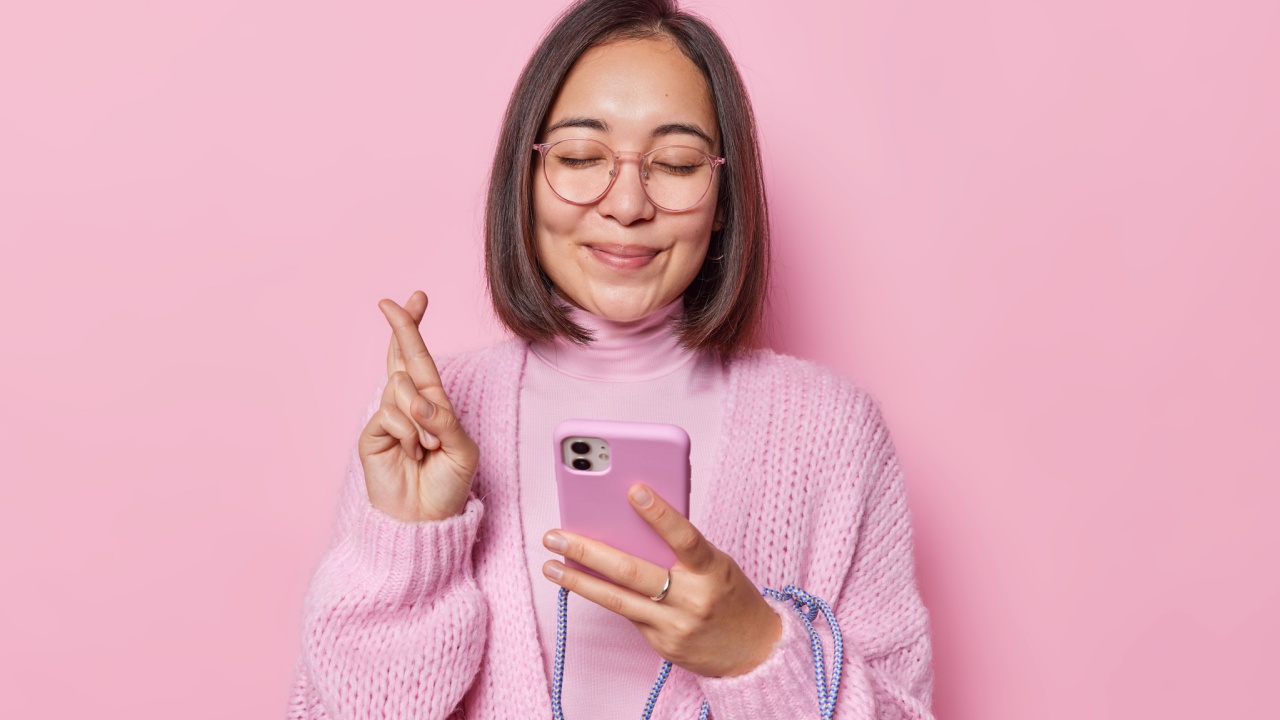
x: 435, y: 619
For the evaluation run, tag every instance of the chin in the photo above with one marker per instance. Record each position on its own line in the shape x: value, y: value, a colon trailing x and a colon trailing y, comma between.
x: 624, y: 310
x: 623, y: 314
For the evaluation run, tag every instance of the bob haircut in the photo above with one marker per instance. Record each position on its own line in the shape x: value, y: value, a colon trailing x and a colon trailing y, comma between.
x: 724, y: 304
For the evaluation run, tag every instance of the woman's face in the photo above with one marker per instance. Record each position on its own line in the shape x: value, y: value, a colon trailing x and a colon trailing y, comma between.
x: 621, y: 258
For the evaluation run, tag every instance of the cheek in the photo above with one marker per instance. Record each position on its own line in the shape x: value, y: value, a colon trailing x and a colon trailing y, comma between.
x: 554, y: 223
x: 695, y: 253
x: 553, y: 215
x: 691, y: 252
x: 544, y: 212
x: 543, y: 209
x: 696, y: 229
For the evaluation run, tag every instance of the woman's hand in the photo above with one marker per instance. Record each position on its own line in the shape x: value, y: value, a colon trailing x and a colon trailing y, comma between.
x: 418, y: 461
x: 713, y: 620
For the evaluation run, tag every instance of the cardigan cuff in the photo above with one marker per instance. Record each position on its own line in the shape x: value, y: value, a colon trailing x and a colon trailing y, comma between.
x: 401, y: 563
x: 783, y: 687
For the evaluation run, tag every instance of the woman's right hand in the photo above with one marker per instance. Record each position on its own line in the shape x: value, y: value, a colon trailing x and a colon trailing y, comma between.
x: 418, y: 461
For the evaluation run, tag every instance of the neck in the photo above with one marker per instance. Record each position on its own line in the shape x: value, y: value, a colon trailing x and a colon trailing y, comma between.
x: 619, y: 351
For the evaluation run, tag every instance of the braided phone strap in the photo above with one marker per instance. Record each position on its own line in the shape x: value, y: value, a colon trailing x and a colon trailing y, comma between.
x: 806, y: 606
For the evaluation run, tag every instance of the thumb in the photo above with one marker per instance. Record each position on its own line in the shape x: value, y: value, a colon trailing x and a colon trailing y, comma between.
x: 444, y: 432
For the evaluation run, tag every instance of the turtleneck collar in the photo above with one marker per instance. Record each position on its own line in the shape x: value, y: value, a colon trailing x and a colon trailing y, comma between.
x: 641, y: 349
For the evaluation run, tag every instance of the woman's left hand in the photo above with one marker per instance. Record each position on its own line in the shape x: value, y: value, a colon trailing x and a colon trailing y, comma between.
x: 713, y: 621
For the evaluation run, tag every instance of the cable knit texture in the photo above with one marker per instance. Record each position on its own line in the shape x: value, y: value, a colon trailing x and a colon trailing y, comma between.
x: 435, y: 619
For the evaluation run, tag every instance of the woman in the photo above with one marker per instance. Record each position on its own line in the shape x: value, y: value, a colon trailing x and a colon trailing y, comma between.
x: 627, y: 249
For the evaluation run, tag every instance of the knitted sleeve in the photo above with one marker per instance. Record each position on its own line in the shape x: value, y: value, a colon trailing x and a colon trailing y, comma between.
x: 887, y: 668
x: 393, y: 624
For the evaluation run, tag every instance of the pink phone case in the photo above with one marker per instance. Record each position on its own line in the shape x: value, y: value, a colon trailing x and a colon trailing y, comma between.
x: 594, y: 504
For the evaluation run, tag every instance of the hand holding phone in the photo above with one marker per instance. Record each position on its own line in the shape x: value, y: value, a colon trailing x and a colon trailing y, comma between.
x: 597, y: 462
x: 714, y: 622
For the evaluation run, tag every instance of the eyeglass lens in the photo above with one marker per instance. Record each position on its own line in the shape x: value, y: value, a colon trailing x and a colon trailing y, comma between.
x: 675, y: 177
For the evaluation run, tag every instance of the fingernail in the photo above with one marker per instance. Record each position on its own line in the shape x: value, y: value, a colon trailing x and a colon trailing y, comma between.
x: 553, y: 570
x: 641, y: 497
x: 418, y: 452
x: 428, y: 411
x: 555, y: 542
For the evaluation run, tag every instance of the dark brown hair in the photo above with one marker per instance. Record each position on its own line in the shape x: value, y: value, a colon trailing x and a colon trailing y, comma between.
x: 725, y: 302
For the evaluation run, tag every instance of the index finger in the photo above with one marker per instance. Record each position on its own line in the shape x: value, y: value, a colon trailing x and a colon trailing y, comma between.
x: 416, y: 309
x: 691, y: 548
x: 413, y: 350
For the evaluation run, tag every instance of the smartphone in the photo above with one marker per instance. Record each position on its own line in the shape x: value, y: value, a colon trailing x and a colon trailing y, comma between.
x: 597, y: 462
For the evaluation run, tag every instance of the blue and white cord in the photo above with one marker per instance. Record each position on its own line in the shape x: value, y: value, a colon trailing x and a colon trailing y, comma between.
x: 827, y: 692
x: 800, y: 600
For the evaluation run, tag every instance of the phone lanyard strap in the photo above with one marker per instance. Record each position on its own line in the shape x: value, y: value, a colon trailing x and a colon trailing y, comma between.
x: 806, y: 606
x: 827, y: 689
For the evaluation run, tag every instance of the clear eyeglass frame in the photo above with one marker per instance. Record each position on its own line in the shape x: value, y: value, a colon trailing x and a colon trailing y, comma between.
x: 713, y: 161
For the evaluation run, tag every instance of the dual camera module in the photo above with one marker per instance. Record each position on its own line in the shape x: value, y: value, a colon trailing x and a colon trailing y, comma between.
x: 586, y: 454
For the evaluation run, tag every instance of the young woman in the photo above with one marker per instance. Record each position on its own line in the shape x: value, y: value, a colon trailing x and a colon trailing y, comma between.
x: 627, y: 251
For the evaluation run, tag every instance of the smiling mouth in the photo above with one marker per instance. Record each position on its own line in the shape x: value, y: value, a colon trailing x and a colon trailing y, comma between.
x: 623, y: 257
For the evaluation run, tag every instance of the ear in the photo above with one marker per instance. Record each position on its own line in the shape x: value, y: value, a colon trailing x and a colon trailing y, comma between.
x: 718, y: 224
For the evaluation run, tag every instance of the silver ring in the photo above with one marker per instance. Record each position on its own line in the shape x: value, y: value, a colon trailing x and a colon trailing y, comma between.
x: 665, y: 587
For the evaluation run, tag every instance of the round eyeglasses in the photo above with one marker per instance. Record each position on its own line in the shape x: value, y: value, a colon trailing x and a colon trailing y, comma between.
x: 581, y: 171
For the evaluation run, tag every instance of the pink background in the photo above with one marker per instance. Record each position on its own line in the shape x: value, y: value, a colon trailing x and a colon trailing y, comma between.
x: 1043, y: 234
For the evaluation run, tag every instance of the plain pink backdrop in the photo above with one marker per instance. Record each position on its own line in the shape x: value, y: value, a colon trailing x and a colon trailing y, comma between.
x: 1043, y: 234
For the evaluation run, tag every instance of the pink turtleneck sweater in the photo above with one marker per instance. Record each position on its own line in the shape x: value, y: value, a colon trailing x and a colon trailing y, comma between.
x: 630, y: 371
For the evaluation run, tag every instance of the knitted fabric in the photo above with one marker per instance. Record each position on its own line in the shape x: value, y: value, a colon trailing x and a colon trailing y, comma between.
x: 419, y: 620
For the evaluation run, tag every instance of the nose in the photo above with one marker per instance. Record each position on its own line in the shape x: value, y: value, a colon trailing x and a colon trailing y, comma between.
x: 626, y: 201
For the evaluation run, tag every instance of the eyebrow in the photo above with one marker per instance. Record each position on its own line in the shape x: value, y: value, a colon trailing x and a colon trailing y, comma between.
x: 597, y: 124
x: 682, y: 129
x: 580, y: 122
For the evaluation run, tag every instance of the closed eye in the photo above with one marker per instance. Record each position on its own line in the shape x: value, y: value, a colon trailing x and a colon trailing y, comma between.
x: 677, y: 169
x: 578, y: 162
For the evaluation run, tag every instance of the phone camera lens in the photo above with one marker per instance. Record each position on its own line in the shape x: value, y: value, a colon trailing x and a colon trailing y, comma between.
x: 581, y: 463
x: 580, y: 448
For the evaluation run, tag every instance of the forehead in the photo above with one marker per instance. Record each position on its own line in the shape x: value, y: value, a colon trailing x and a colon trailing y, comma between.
x: 636, y: 86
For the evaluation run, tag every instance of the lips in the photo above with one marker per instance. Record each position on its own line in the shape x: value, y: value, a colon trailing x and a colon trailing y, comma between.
x: 623, y: 257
